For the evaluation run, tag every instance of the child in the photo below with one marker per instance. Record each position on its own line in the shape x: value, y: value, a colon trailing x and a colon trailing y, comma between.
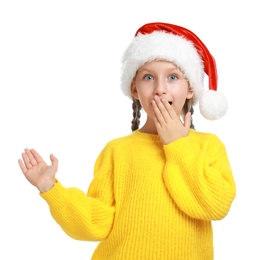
x: 156, y: 190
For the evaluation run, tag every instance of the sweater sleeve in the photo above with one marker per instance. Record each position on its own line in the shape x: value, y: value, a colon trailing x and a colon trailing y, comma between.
x: 199, y: 178
x: 85, y: 216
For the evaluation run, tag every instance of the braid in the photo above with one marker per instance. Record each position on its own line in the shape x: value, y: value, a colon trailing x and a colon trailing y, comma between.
x: 189, y: 108
x: 136, y: 114
x: 191, y: 121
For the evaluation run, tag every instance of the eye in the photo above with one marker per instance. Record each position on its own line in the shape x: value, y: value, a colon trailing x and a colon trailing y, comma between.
x: 148, y: 77
x: 172, y: 77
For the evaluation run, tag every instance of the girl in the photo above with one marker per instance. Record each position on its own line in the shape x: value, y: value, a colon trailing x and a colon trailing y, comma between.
x: 155, y: 191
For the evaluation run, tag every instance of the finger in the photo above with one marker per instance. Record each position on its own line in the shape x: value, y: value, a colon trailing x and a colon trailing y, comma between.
x: 165, y: 108
x: 157, y: 114
x: 169, y: 108
x: 36, y: 156
x: 31, y: 157
x: 26, y: 159
x: 22, y: 166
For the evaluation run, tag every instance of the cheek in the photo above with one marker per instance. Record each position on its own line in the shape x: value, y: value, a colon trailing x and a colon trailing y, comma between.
x: 183, y: 93
x: 144, y: 92
x: 179, y: 103
x: 143, y: 100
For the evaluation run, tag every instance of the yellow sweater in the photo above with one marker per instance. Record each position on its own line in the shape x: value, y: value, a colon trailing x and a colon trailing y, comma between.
x: 148, y: 200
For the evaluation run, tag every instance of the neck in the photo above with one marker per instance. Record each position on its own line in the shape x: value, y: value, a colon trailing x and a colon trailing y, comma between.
x: 149, y: 127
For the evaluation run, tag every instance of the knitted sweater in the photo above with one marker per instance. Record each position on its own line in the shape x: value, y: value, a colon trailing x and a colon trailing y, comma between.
x: 148, y: 200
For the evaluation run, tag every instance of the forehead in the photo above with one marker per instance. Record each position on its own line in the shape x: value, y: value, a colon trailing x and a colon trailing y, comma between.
x: 162, y: 64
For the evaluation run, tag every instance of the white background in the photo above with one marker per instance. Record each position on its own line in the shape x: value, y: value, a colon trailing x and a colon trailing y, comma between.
x: 59, y: 93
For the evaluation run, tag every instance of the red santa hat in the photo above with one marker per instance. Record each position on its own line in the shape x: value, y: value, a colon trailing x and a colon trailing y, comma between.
x: 163, y: 41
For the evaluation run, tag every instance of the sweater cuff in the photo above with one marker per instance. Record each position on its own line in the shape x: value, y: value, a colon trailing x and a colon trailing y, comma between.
x: 57, y: 194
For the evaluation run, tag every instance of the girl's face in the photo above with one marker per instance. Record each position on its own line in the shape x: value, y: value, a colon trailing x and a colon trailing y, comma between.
x: 162, y: 79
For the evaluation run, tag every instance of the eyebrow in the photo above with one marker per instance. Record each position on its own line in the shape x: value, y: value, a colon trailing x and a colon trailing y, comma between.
x: 173, y: 69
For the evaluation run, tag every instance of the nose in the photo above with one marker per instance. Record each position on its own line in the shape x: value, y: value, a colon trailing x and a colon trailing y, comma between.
x: 160, y: 88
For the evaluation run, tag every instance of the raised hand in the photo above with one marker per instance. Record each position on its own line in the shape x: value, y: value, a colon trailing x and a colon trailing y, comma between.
x: 36, y: 171
x: 168, y: 123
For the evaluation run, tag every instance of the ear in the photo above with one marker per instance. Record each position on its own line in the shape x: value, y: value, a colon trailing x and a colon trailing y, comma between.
x: 134, y: 91
x: 190, y: 94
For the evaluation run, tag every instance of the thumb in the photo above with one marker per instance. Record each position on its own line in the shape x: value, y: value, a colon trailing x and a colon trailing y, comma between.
x: 54, y: 161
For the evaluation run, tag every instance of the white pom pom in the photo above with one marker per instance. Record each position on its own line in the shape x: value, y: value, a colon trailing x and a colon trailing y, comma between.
x: 213, y: 105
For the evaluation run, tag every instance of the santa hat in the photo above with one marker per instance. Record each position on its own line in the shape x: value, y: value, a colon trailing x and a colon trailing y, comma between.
x: 162, y: 41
